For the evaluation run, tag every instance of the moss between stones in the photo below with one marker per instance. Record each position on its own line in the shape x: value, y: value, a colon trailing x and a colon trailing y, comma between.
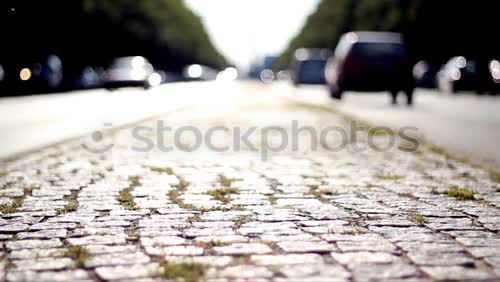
x: 78, y: 253
x: 187, y: 272
x: 223, y: 194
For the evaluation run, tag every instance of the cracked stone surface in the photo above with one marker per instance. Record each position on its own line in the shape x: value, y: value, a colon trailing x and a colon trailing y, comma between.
x: 300, y: 215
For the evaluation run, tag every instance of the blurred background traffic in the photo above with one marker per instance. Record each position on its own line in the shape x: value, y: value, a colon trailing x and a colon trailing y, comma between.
x: 57, y: 46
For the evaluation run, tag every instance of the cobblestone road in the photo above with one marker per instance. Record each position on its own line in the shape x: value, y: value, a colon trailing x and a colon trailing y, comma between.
x: 303, y: 215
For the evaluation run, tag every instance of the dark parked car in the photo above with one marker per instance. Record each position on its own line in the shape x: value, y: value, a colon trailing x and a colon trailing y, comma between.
x: 373, y: 62
x: 308, y: 66
x: 128, y: 71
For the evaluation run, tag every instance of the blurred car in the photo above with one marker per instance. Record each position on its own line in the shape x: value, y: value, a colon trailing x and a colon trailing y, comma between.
x: 425, y: 74
x: 308, y: 66
x: 128, y: 71
x: 34, y: 75
x: 89, y: 78
x: 373, y: 62
x: 460, y: 74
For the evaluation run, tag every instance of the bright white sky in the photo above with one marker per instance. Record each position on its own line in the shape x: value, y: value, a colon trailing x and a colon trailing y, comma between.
x: 245, y: 29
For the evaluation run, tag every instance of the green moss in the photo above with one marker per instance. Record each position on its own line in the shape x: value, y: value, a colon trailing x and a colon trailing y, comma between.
x: 407, y: 195
x: 227, y: 182
x: 72, y: 206
x: 322, y: 192
x: 355, y: 231
x: 393, y: 177
x: 126, y: 199
x: 223, y: 194
x: 182, y: 185
x: 78, y: 253
x: 175, y: 198
x: 187, y: 272
x: 240, y: 260
x: 210, y: 244
x: 194, y: 218
x: 241, y: 219
x: 461, y: 193
x: 417, y: 217
x: 167, y: 170
x: 12, y: 207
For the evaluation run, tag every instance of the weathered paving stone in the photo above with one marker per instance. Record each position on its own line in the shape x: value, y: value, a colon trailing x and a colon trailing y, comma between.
x: 282, y: 238
x: 14, y: 228
x: 44, y: 234
x: 4, y: 237
x: 481, y: 252
x: 91, y: 231
x: 365, y: 257
x: 479, y: 242
x: 440, y: 259
x: 174, y: 251
x: 215, y: 261
x: 103, y: 249
x: 457, y: 273
x: 163, y: 241
x: 314, y: 272
x: 245, y: 272
x: 43, y: 264
x: 37, y: 253
x: 97, y: 240
x: 287, y: 259
x: 114, y: 259
x: 380, y: 246
x: 59, y: 276
x: 46, y: 226
x: 306, y: 247
x: 385, y: 272
x: 222, y: 239
x: 33, y: 244
x: 129, y: 272
x: 243, y: 249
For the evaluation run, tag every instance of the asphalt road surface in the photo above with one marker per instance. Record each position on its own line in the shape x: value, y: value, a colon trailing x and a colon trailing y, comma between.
x: 210, y: 190
x: 465, y: 125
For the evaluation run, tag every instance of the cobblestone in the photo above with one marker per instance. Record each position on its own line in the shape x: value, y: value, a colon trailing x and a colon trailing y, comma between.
x: 302, y: 215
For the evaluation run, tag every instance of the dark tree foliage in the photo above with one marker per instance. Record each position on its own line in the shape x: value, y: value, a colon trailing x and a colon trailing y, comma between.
x: 435, y: 29
x: 93, y: 32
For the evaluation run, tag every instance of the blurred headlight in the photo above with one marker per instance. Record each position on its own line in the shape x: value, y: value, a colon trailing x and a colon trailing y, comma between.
x: 154, y: 79
x: 25, y: 74
x: 456, y: 75
x: 195, y: 71
x: 495, y: 70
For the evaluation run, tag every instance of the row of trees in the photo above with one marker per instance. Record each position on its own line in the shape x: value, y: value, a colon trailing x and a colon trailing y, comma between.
x: 92, y: 32
x: 435, y: 30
